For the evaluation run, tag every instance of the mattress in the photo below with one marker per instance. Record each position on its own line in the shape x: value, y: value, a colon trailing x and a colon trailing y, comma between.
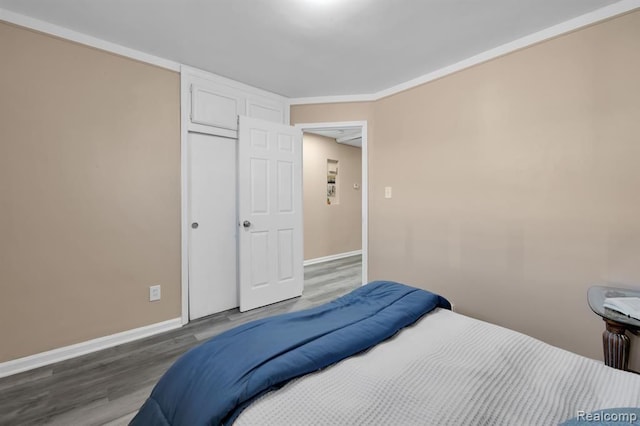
x: 449, y: 369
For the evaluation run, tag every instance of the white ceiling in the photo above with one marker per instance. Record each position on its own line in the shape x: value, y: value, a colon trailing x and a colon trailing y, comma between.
x: 303, y: 48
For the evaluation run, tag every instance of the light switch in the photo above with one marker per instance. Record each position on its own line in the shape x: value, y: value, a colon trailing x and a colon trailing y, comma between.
x: 387, y: 192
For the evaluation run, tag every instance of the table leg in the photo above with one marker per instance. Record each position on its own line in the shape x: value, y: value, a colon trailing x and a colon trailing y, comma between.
x: 616, y: 345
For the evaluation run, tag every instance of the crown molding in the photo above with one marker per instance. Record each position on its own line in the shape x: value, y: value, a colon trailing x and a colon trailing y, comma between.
x: 333, y: 99
x: 67, y: 34
x: 574, y: 24
x: 607, y: 12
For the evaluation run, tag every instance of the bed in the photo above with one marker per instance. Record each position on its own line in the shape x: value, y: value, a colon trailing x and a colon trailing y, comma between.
x: 402, y: 358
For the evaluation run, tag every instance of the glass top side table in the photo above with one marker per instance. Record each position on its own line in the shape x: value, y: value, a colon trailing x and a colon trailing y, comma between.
x: 615, y: 342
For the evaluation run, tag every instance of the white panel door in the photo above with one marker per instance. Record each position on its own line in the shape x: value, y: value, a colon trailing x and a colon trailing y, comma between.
x: 265, y: 111
x: 212, y: 226
x: 270, y: 212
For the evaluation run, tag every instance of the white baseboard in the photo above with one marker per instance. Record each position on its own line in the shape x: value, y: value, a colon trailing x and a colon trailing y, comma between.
x: 332, y: 257
x: 60, y: 354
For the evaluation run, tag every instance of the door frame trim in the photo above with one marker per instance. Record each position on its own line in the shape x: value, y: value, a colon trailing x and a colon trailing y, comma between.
x: 365, y: 179
x: 185, y: 99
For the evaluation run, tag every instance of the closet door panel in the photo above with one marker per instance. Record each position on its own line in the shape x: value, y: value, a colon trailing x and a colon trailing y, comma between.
x: 212, y: 225
x: 214, y: 108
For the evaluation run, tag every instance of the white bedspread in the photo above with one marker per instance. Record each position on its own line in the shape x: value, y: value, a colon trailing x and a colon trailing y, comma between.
x: 449, y: 369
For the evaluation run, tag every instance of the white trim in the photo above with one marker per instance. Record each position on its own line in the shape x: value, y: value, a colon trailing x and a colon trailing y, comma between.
x: 185, y: 99
x: 287, y: 112
x: 590, y: 18
x: 365, y: 203
x: 334, y: 99
x: 365, y: 182
x: 217, y: 79
x: 60, y: 354
x: 58, y: 31
x: 332, y: 125
x: 332, y: 257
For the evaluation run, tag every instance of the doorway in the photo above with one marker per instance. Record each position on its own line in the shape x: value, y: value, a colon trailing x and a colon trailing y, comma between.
x: 336, y: 189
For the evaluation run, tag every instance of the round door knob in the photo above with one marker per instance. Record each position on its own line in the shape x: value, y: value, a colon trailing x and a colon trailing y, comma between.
x: 194, y: 225
x: 246, y: 224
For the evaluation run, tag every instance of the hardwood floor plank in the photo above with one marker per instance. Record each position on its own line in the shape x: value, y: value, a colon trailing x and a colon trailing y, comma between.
x: 122, y: 421
x: 26, y: 377
x: 108, y: 387
x: 78, y: 416
x: 105, y: 412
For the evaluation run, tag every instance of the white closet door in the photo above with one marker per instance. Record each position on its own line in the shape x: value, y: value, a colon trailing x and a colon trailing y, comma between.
x: 213, y: 225
x: 270, y: 212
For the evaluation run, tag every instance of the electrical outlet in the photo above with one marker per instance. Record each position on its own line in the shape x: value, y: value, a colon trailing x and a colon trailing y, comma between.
x: 387, y: 192
x: 154, y: 293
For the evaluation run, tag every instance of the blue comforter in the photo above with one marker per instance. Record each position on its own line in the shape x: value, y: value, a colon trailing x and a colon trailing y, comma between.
x: 212, y: 383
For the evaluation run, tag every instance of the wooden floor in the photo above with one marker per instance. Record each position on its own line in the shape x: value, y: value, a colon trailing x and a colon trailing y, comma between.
x: 109, y: 386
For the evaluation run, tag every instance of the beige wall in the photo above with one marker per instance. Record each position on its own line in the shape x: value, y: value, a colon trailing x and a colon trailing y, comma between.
x: 336, y: 228
x: 89, y: 190
x: 515, y: 183
x: 515, y: 186
x: 355, y: 111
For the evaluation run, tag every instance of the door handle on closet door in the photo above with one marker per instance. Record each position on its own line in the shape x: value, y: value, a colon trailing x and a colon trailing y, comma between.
x: 246, y: 224
x: 195, y: 225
